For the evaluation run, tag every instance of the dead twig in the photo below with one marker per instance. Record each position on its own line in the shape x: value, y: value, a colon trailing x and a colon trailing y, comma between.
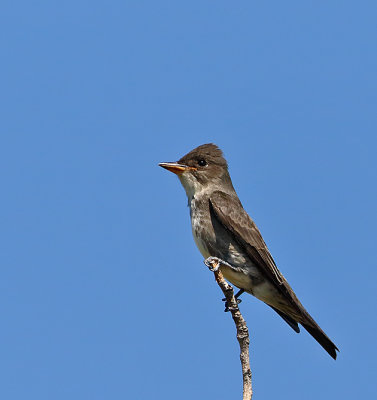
x: 242, y: 332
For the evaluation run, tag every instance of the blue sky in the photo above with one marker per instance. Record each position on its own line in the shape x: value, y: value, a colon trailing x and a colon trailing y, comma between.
x: 103, y: 293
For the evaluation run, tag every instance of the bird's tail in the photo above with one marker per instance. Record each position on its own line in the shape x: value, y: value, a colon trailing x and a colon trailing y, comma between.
x: 313, y: 328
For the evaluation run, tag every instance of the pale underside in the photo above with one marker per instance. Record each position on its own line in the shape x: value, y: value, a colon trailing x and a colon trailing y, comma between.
x: 244, y: 274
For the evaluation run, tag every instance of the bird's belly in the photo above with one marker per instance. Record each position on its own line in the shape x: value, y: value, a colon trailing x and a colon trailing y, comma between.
x: 238, y: 278
x: 268, y: 293
x: 254, y: 284
x: 243, y: 273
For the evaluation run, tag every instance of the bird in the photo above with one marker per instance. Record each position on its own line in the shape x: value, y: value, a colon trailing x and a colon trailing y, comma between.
x: 225, y: 233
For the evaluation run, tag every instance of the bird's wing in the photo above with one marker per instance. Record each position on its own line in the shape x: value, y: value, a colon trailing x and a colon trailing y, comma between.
x: 229, y: 212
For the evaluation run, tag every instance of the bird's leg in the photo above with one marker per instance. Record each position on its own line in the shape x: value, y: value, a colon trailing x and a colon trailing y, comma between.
x: 236, y: 296
x: 213, y: 263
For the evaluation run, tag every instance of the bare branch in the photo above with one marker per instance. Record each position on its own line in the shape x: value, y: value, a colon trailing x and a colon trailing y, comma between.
x: 242, y: 332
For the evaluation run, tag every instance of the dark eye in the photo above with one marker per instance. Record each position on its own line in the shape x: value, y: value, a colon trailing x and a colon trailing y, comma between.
x: 202, y: 163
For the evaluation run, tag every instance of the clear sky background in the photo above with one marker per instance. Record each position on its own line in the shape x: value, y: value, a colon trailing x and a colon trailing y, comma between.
x: 103, y: 293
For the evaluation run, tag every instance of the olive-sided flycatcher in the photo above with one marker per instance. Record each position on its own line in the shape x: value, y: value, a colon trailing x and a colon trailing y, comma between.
x: 223, y: 231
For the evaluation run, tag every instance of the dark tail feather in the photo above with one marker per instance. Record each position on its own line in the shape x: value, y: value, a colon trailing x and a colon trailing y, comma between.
x: 313, y: 329
x: 290, y: 321
x: 322, y: 339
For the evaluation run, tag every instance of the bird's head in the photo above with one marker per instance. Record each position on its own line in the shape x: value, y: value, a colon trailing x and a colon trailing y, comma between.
x: 203, y: 168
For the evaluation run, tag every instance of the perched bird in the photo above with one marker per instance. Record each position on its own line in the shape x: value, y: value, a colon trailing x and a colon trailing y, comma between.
x: 223, y: 231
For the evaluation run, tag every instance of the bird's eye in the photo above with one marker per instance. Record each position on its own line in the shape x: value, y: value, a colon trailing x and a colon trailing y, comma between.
x: 202, y: 163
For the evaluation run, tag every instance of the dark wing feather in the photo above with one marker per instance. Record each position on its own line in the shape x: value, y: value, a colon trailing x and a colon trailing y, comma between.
x: 229, y: 212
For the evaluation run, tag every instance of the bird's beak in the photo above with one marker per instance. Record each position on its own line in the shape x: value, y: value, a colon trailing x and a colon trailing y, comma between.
x: 175, y: 167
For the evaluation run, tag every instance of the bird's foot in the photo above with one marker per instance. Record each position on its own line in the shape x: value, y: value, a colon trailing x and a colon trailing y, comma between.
x: 227, y: 307
x: 213, y: 263
x: 236, y: 296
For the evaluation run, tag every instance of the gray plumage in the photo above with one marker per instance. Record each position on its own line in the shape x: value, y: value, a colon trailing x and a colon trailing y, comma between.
x: 222, y: 228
